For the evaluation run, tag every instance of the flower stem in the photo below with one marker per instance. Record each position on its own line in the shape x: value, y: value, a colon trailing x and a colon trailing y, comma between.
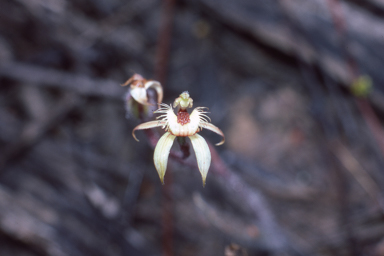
x: 184, y: 147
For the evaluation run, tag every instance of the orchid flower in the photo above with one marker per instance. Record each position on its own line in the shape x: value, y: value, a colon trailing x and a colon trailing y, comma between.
x: 181, y: 125
x: 139, y: 86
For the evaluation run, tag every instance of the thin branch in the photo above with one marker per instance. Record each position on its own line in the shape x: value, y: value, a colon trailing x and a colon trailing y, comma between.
x: 358, y: 172
x: 80, y: 84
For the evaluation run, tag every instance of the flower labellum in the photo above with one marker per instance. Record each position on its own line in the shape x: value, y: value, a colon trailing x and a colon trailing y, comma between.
x: 181, y: 125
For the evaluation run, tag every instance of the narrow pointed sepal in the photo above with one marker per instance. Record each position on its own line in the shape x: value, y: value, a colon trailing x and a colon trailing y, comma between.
x: 157, y: 86
x: 148, y: 125
x: 203, y: 155
x: 161, y: 154
x: 215, y: 129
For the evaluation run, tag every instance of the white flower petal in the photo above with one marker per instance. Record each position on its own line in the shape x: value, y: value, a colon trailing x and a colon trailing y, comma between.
x: 148, y: 125
x: 161, y: 154
x: 140, y: 95
x: 203, y: 154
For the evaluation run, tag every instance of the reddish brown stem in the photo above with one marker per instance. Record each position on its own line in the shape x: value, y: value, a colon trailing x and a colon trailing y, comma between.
x: 167, y: 215
x: 373, y: 121
x: 340, y: 24
x: 164, y: 41
x: 161, y: 68
x: 364, y: 105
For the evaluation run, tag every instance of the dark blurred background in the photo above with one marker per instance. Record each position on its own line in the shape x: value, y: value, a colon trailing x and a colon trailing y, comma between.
x: 295, y: 85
